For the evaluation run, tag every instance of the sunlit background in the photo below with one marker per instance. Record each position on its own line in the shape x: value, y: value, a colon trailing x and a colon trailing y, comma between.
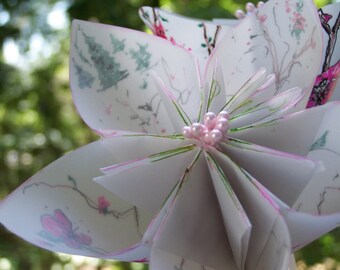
x: 38, y: 122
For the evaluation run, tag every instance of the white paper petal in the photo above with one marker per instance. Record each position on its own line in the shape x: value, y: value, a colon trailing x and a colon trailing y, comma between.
x: 269, y: 246
x: 175, y: 112
x: 162, y: 260
x: 67, y: 212
x: 278, y: 106
x: 303, y: 227
x: 146, y: 182
x: 292, y: 263
x: 215, y: 91
x: 227, y: 22
x: 293, y: 134
x: 256, y: 96
x: 155, y: 226
x: 322, y: 195
x: 197, y: 36
x: 111, y: 83
x: 194, y: 228
x: 284, y: 174
x: 236, y: 222
x: 284, y: 38
x: 238, y: 99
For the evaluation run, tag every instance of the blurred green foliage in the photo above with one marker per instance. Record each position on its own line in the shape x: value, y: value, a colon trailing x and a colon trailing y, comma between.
x: 38, y: 122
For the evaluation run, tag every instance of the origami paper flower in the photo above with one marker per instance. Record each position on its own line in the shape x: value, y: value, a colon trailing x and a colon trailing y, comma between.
x: 197, y: 168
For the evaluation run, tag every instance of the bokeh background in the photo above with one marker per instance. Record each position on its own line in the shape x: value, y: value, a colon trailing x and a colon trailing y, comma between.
x: 38, y: 122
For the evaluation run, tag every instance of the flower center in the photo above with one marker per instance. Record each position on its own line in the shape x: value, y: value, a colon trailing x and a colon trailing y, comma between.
x: 211, y: 131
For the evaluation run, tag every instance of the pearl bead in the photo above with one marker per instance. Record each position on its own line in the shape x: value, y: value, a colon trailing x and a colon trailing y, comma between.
x: 222, y: 125
x: 197, y: 129
x: 260, y: 4
x: 250, y: 7
x: 186, y: 131
x: 216, y: 135
x: 224, y: 115
x: 239, y: 14
x: 207, y: 138
x: 210, y: 120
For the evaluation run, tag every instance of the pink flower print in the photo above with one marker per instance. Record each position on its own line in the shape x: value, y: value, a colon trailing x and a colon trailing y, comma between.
x: 324, y: 86
x: 324, y: 17
x: 287, y: 4
x: 58, y: 228
x: 262, y: 18
x: 298, y: 24
x: 103, y: 205
x: 159, y: 30
x: 299, y: 21
x: 173, y: 41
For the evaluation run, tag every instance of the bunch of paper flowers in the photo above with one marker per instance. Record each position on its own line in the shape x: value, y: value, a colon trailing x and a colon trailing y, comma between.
x: 208, y: 158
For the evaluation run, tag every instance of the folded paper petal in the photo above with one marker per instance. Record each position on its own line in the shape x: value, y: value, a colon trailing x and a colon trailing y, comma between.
x: 215, y: 93
x: 238, y: 99
x: 303, y: 227
x: 67, y: 212
x: 273, y: 38
x: 111, y: 83
x: 155, y: 227
x: 321, y: 196
x: 145, y: 182
x: 284, y: 174
x: 257, y: 96
x: 276, y: 107
x: 236, y: 222
x: 194, y: 227
x: 269, y: 246
x: 293, y: 134
x: 78, y: 216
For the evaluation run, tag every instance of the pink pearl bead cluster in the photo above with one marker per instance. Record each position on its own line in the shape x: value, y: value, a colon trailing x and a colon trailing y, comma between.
x: 211, y: 131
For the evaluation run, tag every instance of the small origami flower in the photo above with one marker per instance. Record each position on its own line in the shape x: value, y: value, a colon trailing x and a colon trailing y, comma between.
x: 202, y: 159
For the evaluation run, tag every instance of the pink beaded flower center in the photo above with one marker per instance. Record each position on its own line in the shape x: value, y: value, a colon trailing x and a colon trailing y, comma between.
x: 212, y: 130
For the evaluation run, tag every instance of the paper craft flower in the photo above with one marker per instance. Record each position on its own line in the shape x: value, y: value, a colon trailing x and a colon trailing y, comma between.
x: 201, y: 159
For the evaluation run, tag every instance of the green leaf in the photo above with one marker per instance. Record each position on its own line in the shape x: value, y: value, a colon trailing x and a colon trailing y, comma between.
x: 321, y: 142
x: 163, y: 19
